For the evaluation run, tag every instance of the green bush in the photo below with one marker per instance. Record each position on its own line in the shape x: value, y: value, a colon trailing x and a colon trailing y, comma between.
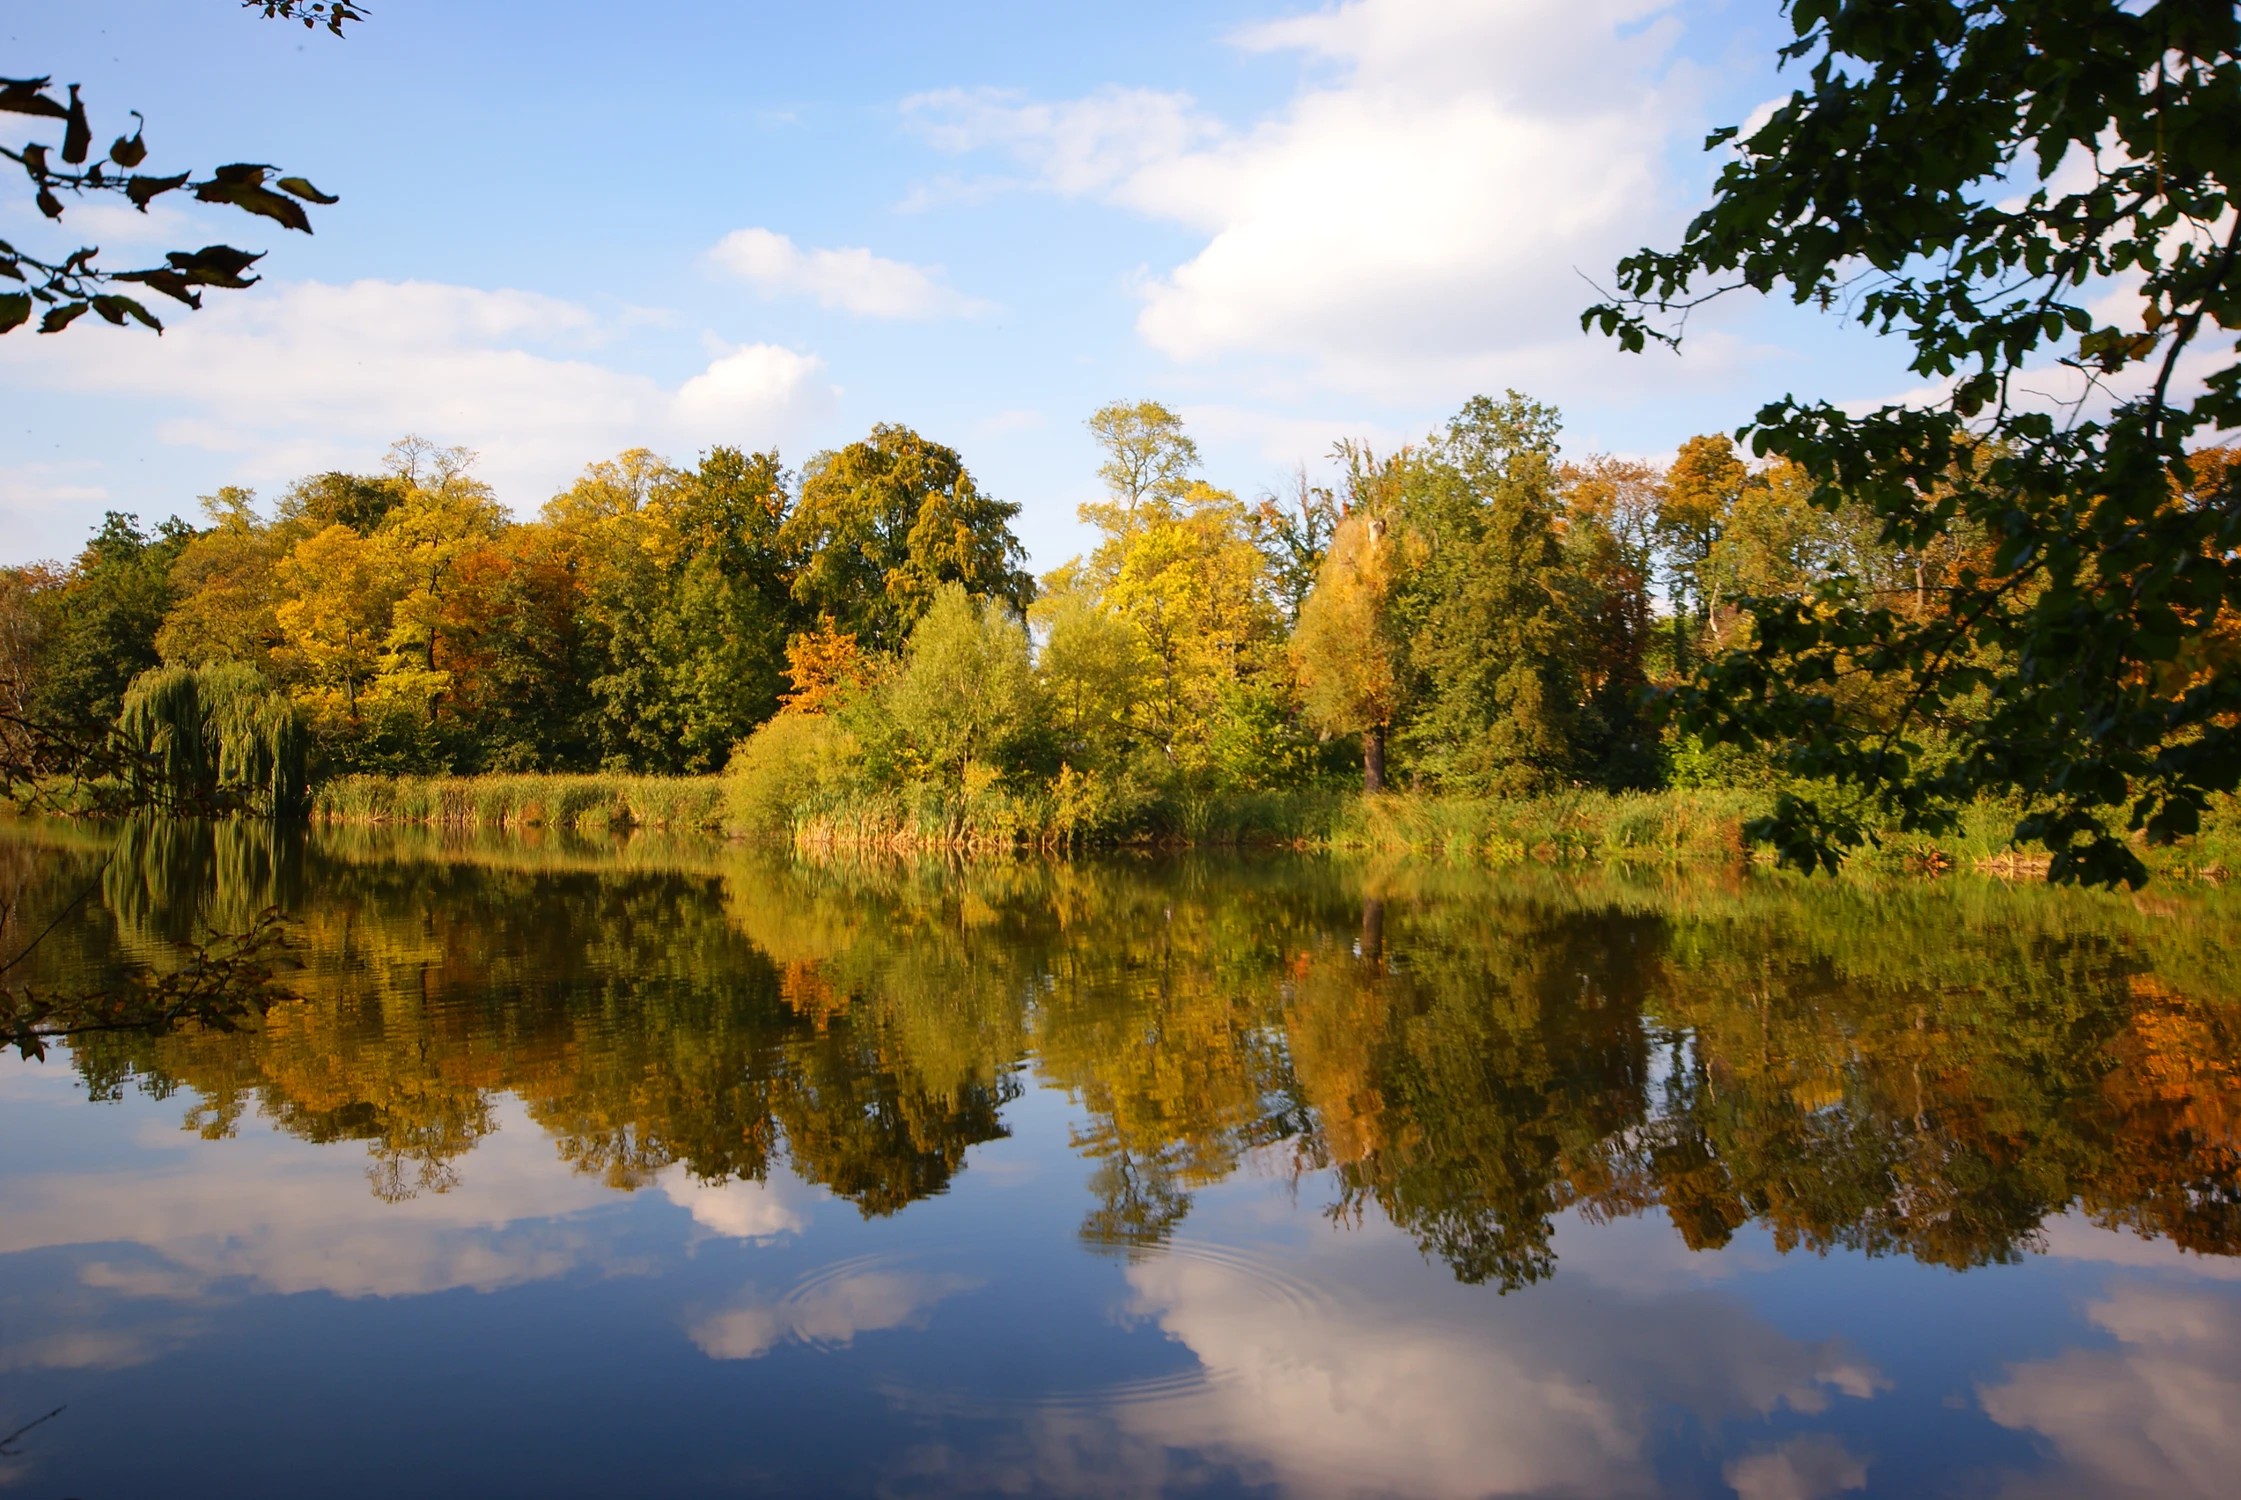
x: 792, y: 765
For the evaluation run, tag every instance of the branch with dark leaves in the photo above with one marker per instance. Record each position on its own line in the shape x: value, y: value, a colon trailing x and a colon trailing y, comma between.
x: 314, y: 14
x: 2081, y: 665
x: 64, y: 290
x: 220, y: 985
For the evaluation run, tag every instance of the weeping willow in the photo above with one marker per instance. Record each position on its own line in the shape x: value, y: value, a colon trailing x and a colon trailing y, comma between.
x: 213, y: 739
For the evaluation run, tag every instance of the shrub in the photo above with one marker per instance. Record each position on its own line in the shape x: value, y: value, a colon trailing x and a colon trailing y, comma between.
x: 794, y: 763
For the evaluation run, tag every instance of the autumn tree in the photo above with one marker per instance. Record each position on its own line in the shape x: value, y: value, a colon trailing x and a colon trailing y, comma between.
x: 1192, y: 583
x: 1702, y: 486
x: 1149, y: 462
x: 224, y: 588
x: 1350, y: 648
x: 334, y: 623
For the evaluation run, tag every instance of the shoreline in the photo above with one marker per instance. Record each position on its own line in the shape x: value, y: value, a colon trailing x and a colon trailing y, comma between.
x: 1676, y: 826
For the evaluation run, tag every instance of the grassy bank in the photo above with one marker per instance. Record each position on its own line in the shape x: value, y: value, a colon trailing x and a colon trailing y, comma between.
x: 1582, y: 827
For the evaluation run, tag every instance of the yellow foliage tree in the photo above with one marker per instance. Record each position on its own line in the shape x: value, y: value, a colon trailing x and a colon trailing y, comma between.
x: 1348, y: 650
x: 226, y: 588
x: 334, y: 619
x: 1193, y: 585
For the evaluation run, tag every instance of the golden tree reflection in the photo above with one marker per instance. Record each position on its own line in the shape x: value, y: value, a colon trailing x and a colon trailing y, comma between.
x: 1926, y: 1069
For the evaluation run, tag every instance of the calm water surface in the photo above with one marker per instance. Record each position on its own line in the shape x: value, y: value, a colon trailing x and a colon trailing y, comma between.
x: 666, y: 1169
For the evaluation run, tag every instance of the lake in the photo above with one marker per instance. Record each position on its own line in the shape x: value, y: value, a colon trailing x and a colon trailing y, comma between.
x: 671, y: 1168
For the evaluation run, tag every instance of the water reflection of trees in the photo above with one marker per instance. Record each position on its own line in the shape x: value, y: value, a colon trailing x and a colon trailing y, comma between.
x: 1931, y: 1070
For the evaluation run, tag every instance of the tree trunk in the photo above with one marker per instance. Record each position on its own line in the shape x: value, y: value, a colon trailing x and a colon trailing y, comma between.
x: 1372, y: 949
x: 1373, y: 758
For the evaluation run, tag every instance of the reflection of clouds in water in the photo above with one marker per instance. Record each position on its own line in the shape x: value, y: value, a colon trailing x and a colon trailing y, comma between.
x: 1806, y: 1468
x: 826, y: 1310
x: 1357, y: 1371
x: 740, y: 1210
x: 1396, y: 1383
x: 2074, y: 1237
x: 96, y: 1348
x: 165, y: 1282
x: 289, y: 1216
x: 2159, y: 1415
x: 1643, y: 1255
x: 1077, y: 1454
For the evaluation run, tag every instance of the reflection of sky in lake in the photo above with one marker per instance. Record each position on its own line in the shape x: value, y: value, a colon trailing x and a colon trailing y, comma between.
x: 1128, y: 1177
x: 244, y: 1317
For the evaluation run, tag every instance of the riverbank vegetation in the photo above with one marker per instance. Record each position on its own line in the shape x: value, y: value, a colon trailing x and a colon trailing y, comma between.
x: 1457, y: 646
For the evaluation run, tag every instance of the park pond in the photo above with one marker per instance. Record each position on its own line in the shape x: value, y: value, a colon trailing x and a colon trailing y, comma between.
x: 638, y: 1166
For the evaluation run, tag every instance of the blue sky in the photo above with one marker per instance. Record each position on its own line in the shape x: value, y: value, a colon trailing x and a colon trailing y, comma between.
x: 567, y: 229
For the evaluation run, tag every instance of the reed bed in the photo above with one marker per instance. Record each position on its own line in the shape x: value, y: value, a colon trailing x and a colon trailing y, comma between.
x: 581, y: 802
x: 1573, y: 827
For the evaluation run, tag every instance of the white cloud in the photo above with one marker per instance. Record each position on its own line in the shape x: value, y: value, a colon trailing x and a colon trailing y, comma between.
x: 853, y: 280
x: 298, y: 377
x: 28, y: 490
x: 123, y: 233
x: 1423, y: 218
x: 1287, y: 440
x: 1097, y: 144
x: 2153, y: 1416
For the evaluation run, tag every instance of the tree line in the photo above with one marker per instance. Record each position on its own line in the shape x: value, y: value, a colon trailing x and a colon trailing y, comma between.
x: 1473, y: 614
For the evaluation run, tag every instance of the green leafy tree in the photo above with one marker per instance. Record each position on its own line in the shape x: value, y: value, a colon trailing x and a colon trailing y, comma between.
x: 1490, y: 608
x: 104, y: 624
x: 722, y: 640
x: 1093, y: 668
x: 215, y: 739
x: 1295, y: 531
x: 882, y: 524
x: 2028, y: 192
x: 1609, y: 530
x: 965, y: 695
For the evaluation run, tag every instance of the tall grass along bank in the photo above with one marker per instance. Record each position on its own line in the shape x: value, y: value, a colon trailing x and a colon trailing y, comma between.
x: 586, y: 802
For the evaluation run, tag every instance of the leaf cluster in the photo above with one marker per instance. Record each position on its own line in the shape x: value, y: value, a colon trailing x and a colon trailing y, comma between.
x: 63, y: 290
x: 1978, y: 177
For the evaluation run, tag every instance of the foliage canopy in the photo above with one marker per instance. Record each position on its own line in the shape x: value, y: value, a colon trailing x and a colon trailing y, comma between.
x: 1984, y: 178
